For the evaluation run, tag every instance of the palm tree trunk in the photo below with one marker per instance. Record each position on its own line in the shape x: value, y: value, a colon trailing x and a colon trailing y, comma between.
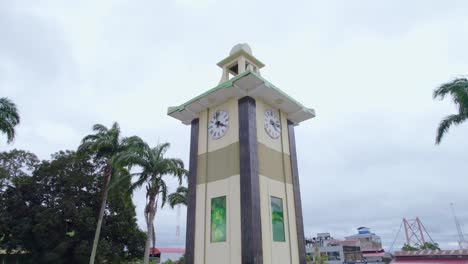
x: 149, y: 224
x: 107, y: 176
x: 152, y: 208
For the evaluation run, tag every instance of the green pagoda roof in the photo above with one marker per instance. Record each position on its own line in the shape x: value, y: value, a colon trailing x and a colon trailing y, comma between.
x: 247, y: 83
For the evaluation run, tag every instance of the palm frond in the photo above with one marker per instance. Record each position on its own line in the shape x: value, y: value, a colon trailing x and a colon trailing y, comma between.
x: 454, y: 86
x: 100, y: 129
x: 120, y: 176
x: 178, y: 197
x: 139, y: 182
x: 163, y: 192
x: 446, y: 123
x: 9, y: 118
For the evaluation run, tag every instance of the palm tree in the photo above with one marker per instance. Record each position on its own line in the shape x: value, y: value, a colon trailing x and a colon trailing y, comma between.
x: 154, y: 167
x: 9, y: 118
x: 178, y: 197
x: 107, y: 144
x: 458, y: 90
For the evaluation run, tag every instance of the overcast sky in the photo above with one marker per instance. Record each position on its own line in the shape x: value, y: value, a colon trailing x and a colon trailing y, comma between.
x: 368, y: 68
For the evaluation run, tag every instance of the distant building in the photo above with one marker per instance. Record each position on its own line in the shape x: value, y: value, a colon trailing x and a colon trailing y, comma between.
x: 370, y: 243
x: 431, y: 257
x: 363, y: 247
x: 335, y: 251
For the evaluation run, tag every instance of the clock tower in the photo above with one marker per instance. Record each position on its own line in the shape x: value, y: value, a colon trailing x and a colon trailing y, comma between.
x: 244, y: 203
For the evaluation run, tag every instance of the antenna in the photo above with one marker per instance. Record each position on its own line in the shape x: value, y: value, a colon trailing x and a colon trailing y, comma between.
x: 461, y: 239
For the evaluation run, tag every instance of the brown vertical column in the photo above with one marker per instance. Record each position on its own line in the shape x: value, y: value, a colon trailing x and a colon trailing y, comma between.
x: 251, y: 226
x: 297, y: 194
x: 192, y: 194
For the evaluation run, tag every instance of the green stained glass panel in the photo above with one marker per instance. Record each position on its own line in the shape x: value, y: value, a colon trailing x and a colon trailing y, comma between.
x: 277, y: 219
x: 218, y: 219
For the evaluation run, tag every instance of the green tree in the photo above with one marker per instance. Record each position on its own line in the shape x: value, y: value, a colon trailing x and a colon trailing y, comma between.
x: 106, y: 144
x: 179, y: 197
x: 425, y: 246
x: 52, y: 214
x: 9, y: 118
x: 16, y: 163
x: 458, y: 90
x: 429, y: 246
x: 318, y: 257
x: 154, y: 168
x: 407, y: 247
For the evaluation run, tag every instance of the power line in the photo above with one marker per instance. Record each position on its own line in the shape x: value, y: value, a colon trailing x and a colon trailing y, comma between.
x: 394, y: 240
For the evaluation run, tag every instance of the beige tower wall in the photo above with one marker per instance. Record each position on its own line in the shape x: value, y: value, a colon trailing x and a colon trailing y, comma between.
x: 276, y: 180
x: 218, y: 175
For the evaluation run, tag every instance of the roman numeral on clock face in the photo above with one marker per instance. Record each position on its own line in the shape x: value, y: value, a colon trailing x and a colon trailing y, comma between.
x: 271, y: 124
x: 218, y: 124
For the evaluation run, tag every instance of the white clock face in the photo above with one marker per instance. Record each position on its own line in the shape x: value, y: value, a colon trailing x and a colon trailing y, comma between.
x: 272, y: 124
x: 219, y: 124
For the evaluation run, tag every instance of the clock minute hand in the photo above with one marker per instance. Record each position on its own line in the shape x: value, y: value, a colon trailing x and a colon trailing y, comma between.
x: 273, y: 124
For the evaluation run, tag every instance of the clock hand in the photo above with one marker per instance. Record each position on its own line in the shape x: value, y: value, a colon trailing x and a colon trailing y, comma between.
x: 273, y: 124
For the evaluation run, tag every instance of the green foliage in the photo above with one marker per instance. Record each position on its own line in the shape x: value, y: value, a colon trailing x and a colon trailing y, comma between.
x: 52, y: 214
x: 458, y: 90
x: 154, y: 168
x: 430, y: 246
x: 16, y: 163
x: 169, y: 261
x: 179, y: 197
x: 407, y: 247
x: 105, y: 144
x: 318, y: 257
x: 9, y: 118
x: 425, y: 246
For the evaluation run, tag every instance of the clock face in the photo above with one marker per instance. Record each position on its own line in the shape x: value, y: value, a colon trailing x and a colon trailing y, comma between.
x: 219, y: 124
x: 272, y: 124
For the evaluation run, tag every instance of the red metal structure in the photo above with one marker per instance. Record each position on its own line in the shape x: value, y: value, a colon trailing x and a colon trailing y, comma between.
x: 414, y: 231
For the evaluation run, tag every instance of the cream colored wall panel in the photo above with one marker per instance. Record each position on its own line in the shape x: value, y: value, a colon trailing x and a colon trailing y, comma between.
x: 265, y: 216
x: 235, y: 228
x: 231, y: 249
x: 202, y: 132
x: 292, y: 225
x: 232, y: 134
x: 285, y: 133
x: 200, y: 218
x: 281, y: 251
x: 262, y: 136
x: 274, y: 252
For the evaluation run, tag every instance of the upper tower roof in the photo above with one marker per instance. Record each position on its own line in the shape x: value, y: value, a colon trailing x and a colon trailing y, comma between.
x: 241, y: 77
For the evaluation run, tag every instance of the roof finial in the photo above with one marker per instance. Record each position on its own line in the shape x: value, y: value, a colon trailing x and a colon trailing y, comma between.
x: 245, y: 47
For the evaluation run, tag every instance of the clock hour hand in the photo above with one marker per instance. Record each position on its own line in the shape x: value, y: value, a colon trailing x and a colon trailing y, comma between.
x: 274, y: 125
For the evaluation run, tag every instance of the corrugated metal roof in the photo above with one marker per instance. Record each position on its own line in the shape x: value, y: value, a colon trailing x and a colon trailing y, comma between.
x: 457, y: 252
x: 430, y: 261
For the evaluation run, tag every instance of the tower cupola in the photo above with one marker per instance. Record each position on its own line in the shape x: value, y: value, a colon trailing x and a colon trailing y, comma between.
x: 240, y: 59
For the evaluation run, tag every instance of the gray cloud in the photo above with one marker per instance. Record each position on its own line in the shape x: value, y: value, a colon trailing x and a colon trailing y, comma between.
x: 367, y: 67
